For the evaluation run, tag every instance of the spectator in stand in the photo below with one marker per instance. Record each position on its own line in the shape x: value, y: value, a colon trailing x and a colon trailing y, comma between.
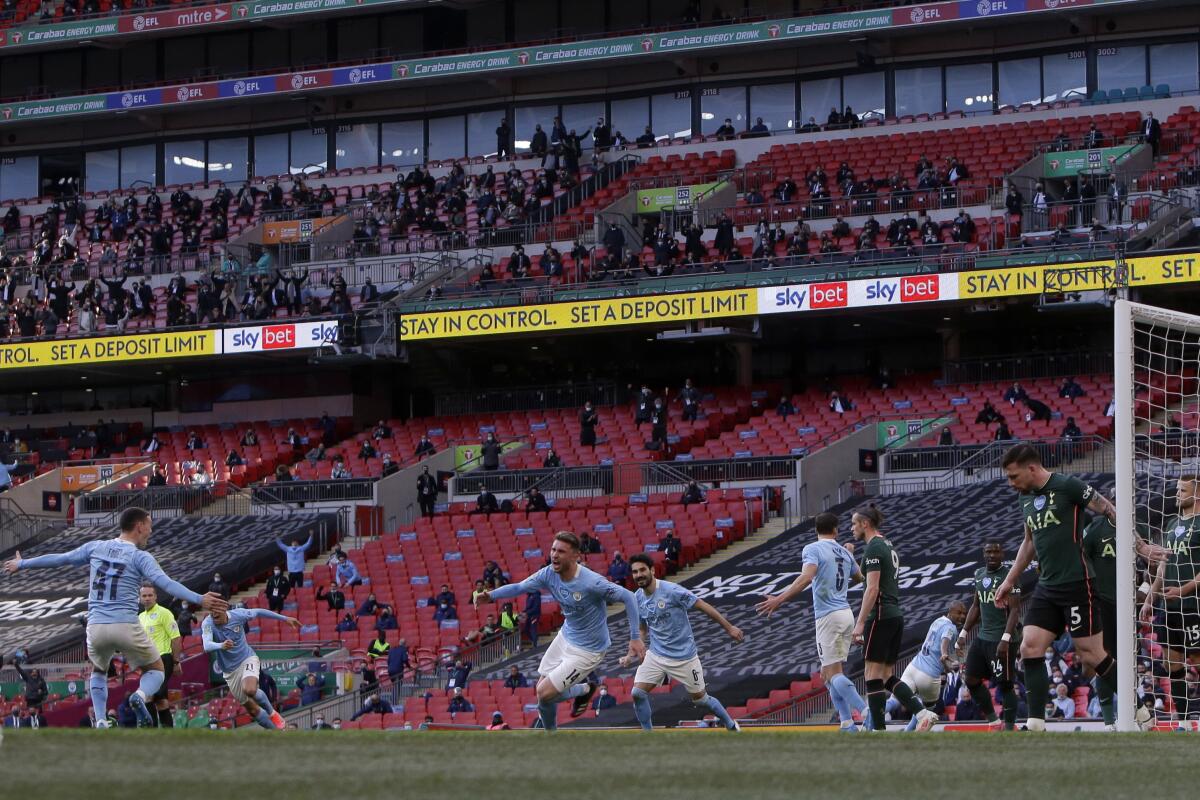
x: 480, y: 588
x: 386, y: 621
x: 533, y: 616
x: 427, y: 492
x: 551, y: 461
x: 838, y: 404
x: 381, y: 431
x: 375, y: 704
x: 278, y: 588
x: 1015, y: 394
x: 498, y: 723
x: 946, y: 438
x: 424, y: 447
x: 458, y: 674
x: 588, y: 419
x: 332, y: 596
x: 367, y: 451
x: 509, y: 619
x: 488, y: 630
x: 647, y: 138
x: 219, y: 586
x: 369, y: 607
x: 589, y: 544
x: 785, y: 407
x: 1070, y: 389
x: 618, y: 569
x: 489, y: 452
x: 988, y: 414
x: 397, y: 659
x: 492, y: 572
x: 515, y: 680
x: 535, y: 501
x: 294, y: 555
x: 339, y: 471
x: 1151, y: 132
x: 185, y: 619
x: 36, y: 691
x: 347, y: 573
x: 445, y: 605
x: 159, y: 477
x: 671, y: 548
x: 603, y: 701
x: 1071, y: 430
x: 1037, y: 411
x: 486, y: 502
x: 692, y: 494
x: 234, y: 459
x: 347, y: 624
x: 458, y: 703
x: 1003, y: 434
x: 310, y: 690
x: 1063, y: 704
x: 202, y: 477
x: 965, y: 709
x: 389, y: 467
x: 726, y: 131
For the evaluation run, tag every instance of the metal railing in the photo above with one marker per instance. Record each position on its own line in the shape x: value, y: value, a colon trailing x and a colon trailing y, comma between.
x: 413, y: 685
x: 19, y: 529
x: 763, y: 272
x: 522, y: 398
x: 1060, y: 364
x: 330, y: 491
x: 963, y: 464
x: 220, y: 499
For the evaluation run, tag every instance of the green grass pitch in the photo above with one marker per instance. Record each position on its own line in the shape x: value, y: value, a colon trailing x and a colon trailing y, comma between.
x: 340, y: 765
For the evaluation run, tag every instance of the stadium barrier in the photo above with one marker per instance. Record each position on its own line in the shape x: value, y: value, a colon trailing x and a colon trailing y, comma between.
x: 526, y: 398
x: 330, y: 491
x: 1061, y: 364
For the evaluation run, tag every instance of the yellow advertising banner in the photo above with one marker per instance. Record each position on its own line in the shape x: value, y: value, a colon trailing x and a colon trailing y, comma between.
x: 107, y: 349
x: 1084, y: 276
x: 561, y: 317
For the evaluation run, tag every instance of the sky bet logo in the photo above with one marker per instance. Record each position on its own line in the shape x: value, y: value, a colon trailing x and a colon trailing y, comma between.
x: 790, y: 298
x: 920, y: 290
x: 281, y: 337
x: 828, y: 295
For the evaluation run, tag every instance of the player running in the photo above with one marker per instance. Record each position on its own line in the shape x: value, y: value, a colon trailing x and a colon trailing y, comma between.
x: 993, y: 653
x: 118, y: 567
x: 935, y: 658
x: 163, y: 631
x: 1053, y: 507
x: 880, y: 625
x: 671, y: 647
x: 224, y: 633
x: 1177, y: 582
x: 582, y: 595
x: 830, y: 569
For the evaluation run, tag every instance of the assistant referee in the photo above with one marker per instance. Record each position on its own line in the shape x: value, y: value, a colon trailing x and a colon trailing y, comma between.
x: 160, y: 624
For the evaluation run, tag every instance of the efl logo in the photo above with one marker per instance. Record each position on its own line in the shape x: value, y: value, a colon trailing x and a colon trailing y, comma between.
x: 827, y: 295
x: 279, y: 337
x: 919, y: 290
x: 300, y: 81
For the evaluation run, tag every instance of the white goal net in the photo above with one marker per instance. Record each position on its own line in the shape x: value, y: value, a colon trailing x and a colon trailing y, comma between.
x: 1157, y: 403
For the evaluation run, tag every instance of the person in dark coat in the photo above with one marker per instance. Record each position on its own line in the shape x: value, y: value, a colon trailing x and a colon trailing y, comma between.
x: 427, y: 492
x: 614, y: 241
x: 489, y: 452
x: 724, y: 241
x: 587, y: 425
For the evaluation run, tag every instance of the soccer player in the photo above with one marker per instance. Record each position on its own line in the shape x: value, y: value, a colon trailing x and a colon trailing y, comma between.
x: 118, y: 567
x: 992, y: 654
x: 670, y: 645
x: 1100, y: 545
x: 880, y: 624
x: 830, y: 569
x: 224, y: 633
x: 935, y: 658
x: 1177, y: 582
x: 160, y: 625
x: 1053, y: 507
x: 584, y: 639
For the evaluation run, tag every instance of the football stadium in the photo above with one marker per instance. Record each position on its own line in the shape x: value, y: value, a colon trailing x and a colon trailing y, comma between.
x: 771, y: 397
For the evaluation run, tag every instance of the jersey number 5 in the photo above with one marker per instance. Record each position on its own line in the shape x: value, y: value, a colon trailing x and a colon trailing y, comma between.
x: 107, y: 570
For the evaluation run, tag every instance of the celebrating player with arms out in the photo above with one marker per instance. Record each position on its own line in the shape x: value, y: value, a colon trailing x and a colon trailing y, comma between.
x: 880, y: 625
x: 831, y: 570
x: 1053, y: 506
x: 118, y: 569
x: 224, y: 634
x: 582, y: 595
x: 993, y: 653
x: 1178, y: 583
x: 671, y: 647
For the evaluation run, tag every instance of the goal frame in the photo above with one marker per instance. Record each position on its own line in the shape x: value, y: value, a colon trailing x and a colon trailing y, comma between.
x: 1126, y: 315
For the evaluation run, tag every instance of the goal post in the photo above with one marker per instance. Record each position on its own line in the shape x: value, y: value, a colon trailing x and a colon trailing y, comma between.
x: 1123, y: 432
x: 1157, y: 400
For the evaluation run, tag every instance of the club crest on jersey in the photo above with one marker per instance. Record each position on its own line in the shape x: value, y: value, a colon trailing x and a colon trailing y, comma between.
x: 576, y: 596
x: 987, y: 582
x: 1039, y: 502
x: 662, y: 604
